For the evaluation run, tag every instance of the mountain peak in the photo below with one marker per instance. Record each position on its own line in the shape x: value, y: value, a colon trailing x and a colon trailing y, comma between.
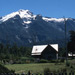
x: 22, y: 10
x: 22, y: 13
x: 25, y: 13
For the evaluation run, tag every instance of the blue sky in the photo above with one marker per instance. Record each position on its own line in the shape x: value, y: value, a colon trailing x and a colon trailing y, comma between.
x: 49, y: 8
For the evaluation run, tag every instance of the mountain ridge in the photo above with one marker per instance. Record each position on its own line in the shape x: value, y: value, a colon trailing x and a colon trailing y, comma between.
x: 25, y: 28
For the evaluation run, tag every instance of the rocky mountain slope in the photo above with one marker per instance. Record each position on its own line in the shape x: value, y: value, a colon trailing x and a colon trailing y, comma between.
x: 25, y: 28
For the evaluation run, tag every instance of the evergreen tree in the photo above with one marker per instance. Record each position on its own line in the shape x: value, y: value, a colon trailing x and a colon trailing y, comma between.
x: 71, y: 43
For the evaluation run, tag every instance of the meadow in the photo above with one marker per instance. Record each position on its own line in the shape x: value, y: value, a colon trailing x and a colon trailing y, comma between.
x: 38, y: 67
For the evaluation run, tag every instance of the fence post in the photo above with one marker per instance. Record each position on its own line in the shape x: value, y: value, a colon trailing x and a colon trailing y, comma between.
x: 23, y: 74
x: 72, y: 73
x: 62, y: 73
x: 65, y: 73
x: 59, y: 74
x: 29, y: 73
x: 51, y: 73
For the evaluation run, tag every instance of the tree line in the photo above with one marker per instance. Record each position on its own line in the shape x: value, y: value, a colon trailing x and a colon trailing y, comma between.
x: 11, y: 52
x: 71, y: 43
x: 70, y: 46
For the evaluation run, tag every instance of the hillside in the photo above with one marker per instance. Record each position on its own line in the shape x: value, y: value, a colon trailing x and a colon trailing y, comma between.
x: 25, y: 28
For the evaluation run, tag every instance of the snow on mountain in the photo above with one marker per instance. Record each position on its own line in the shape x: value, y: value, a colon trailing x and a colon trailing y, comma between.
x: 26, y: 15
x: 54, y: 19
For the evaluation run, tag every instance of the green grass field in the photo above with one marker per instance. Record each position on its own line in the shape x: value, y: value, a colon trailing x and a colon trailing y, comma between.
x: 34, y: 68
x: 39, y: 67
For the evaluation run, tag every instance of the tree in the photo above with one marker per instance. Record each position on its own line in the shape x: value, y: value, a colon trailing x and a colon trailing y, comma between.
x: 1, y: 47
x: 4, y: 70
x: 71, y: 43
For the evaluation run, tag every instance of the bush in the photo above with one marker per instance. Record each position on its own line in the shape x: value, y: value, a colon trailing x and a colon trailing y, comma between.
x: 5, y: 70
x: 62, y: 60
x: 43, y: 61
x: 64, y: 70
x: 54, y: 61
x: 46, y: 71
x: 71, y: 66
x: 67, y: 64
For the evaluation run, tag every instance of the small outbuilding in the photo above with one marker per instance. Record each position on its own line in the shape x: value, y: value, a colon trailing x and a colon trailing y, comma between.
x: 70, y: 55
x: 48, y: 52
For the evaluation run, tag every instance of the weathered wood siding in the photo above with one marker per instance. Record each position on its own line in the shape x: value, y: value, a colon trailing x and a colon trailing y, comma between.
x: 49, y: 53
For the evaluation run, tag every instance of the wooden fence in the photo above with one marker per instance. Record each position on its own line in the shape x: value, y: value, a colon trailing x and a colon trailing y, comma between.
x: 71, y: 73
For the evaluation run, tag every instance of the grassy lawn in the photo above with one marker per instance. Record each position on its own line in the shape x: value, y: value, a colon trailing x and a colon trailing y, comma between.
x: 39, y: 67
x: 34, y: 68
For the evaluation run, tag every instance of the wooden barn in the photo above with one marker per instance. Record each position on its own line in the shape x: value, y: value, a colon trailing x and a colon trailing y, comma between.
x: 48, y: 52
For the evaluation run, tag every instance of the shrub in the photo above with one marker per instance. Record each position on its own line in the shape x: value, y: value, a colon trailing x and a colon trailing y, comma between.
x: 67, y: 64
x: 54, y: 61
x: 46, y: 71
x: 5, y: 70
x: 62, y: 60
x: 64, y: 70
x: 43, y: 61
x: 71, y: 66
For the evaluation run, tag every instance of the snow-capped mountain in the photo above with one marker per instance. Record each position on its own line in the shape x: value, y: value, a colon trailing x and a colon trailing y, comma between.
x: 24, y: 28
x: 26, y: 15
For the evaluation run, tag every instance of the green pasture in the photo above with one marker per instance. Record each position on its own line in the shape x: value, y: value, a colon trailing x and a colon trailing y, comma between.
x: 35, y: 68
x: 39, y: 67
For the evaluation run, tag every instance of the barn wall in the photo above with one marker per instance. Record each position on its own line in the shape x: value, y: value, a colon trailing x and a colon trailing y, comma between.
x: 49, y: 53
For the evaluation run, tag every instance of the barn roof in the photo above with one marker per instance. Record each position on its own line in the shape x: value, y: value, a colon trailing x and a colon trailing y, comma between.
x: 36, y: 50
